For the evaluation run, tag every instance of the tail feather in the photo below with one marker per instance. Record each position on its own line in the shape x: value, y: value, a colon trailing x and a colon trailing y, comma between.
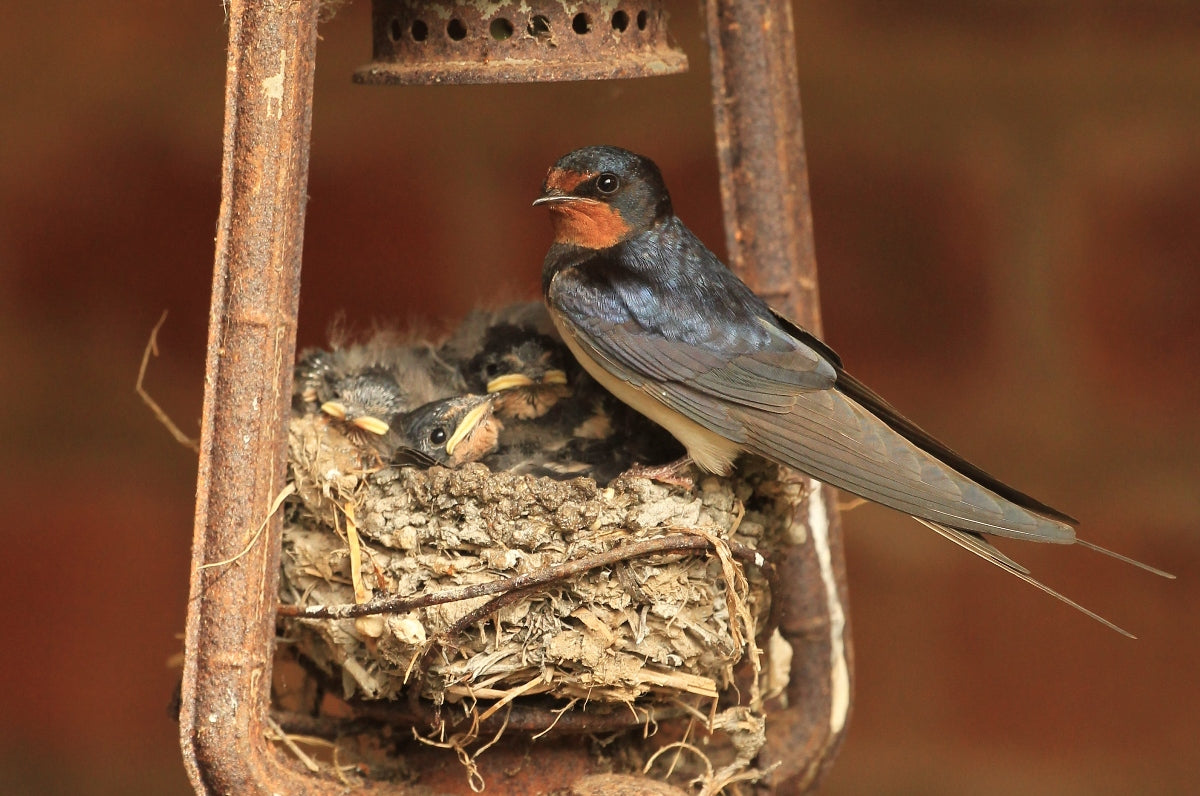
x: 990, y: 554
x: 836, y: 441
x: 1126, y: 559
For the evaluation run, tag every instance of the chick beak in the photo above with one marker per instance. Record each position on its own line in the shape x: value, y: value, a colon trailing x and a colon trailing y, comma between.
x: 371, y: 425
x: 509, y: 381
x: 512, y: 381
x: 468, y: 425
x: 554, y: 377
x: 334, y: 409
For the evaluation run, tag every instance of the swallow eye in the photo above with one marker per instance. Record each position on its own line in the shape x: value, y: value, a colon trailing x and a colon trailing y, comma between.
x: 437, y: 436
x: 491, y: 369
x: 608, y: 183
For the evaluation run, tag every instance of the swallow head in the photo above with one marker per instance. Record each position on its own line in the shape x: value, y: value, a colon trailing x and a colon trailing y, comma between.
x: 599, y: 196
x: 364, y: 400
x: 452, y: 431
x: 523, y: 368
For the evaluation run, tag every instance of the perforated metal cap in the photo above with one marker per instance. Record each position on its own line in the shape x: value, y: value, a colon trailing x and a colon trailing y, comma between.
x: 426, y: 41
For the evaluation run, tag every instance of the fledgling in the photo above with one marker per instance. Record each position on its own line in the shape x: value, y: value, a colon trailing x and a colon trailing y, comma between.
x: 663, y: 324
x: 450, y: 432
x: 590, y: 434
x: 364, y: 400
x: 365, y: 385
x: 525, y: 369
x: 314, y: 368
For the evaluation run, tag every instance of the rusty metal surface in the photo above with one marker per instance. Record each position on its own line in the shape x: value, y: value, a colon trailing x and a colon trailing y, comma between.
x: 252, y: 335
x: 481, y: 41
x: 768, y: 225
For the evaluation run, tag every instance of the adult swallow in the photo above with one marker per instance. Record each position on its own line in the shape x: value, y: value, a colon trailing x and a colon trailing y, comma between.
x: 663, y: 324
x: 450, y: 432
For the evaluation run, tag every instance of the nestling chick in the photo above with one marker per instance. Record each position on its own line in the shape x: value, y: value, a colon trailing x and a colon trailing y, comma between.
x: 449, y: 432
x: 524, y: 368
x: 365, y: 385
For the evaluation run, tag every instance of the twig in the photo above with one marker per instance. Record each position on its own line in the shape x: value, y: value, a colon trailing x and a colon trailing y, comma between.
x: 674, y: 543
x: 152, y: 347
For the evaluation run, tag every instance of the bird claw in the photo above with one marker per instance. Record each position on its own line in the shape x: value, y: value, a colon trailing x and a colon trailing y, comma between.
x: 671, y: 473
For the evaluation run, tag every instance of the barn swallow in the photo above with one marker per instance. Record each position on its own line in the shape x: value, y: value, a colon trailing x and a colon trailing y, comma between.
x: 663, y: 324
x: 524, y: 368
x: 450, y: 432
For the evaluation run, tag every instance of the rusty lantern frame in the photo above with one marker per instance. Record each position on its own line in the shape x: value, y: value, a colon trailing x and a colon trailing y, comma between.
x: 251, y: 348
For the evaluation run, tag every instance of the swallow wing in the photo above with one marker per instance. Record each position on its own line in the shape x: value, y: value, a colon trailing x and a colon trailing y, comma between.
x: 719, y: 356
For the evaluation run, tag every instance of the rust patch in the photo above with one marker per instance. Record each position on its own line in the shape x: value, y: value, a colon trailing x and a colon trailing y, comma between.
x: 505, y: 41
x: 588, y: 224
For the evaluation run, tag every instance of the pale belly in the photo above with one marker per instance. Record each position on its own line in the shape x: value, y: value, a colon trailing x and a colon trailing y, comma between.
x: 708, y: 450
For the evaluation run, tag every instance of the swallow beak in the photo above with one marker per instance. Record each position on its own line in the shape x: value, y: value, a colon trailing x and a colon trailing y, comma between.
x: 554, y: 377
x: 334, y: 409
x: 372, y: 425
x: 553, y: 196
x: 468, y: 425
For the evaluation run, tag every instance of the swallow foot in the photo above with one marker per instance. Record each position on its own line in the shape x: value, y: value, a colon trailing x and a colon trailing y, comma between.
x: 673, y: 473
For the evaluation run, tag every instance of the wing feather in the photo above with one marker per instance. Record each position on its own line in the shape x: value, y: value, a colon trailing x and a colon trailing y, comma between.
x: 715, y: 353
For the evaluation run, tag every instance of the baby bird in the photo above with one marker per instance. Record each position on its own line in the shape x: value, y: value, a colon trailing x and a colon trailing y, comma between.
x: 365, y: 386
x: 524, y: 368
x: 450, y: 432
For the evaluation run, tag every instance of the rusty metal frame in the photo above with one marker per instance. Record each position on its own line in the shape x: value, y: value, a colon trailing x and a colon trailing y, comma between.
x: 251, y: 347
x: 768, y: 229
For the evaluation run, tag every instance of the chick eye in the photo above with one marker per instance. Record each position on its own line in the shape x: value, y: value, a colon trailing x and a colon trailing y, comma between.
x: 608, y: 183
x: 437, y: 436
x: 491, y: 369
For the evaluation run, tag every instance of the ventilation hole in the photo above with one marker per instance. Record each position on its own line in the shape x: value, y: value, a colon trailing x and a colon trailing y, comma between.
x: 539, y: 27
x: 620, y: 20
x: 395, y: 30
x: 501, y: 29
x: 643, y: 18
x: 581, y: 24
x: 456, y: 30
x: 419, y: 30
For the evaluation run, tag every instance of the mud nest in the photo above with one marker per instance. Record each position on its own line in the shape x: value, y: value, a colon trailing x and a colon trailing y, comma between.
x: 466, y: 594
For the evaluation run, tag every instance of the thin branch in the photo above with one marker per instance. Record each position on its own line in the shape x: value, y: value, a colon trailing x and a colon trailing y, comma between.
x: 152, y: 347
x: 674, y: 543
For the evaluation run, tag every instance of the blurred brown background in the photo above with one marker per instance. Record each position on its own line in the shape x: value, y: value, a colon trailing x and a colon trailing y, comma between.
x: 1008, y: 227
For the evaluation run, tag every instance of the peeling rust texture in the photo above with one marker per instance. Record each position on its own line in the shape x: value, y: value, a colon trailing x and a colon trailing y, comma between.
x: 251, y: 347
x: 768, y: 225
x: 482, y: 41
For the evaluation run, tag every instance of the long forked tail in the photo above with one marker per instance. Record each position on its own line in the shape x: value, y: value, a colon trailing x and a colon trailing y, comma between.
x: 981, y: 548
x: 1126, y: 559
